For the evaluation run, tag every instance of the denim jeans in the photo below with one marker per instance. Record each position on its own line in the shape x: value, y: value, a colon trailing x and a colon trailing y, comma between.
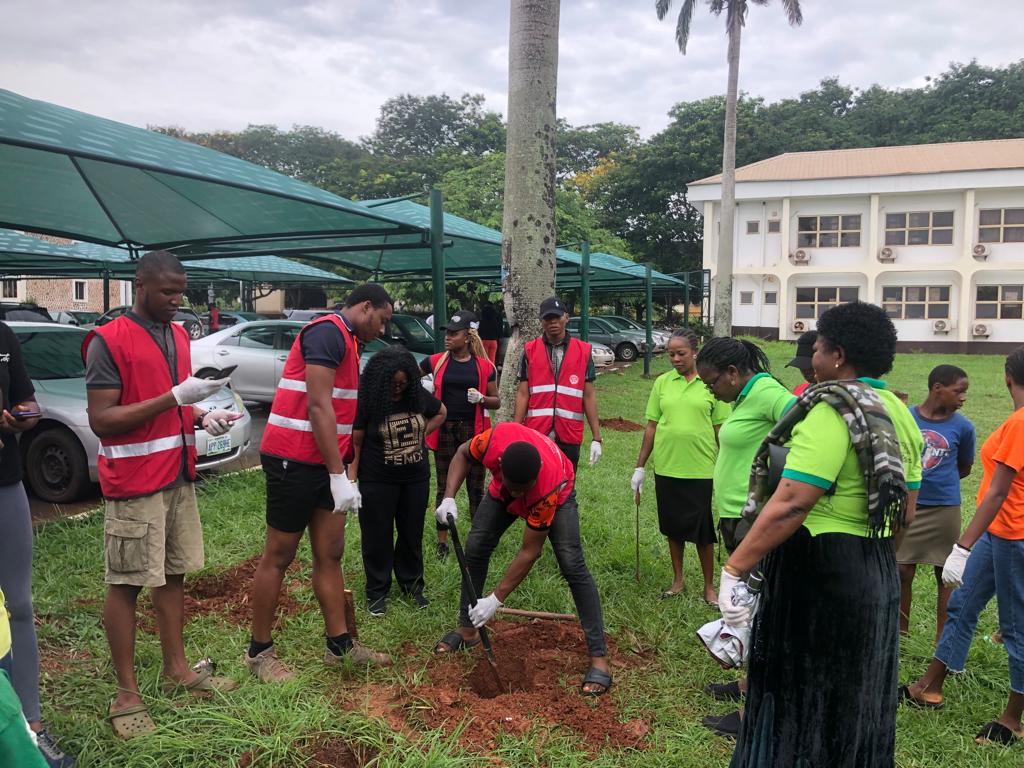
x: 492, y: 520
x: 994, y: 568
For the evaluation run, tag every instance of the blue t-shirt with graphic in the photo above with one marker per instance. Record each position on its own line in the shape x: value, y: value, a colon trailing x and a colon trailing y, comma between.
x: 947, y: 443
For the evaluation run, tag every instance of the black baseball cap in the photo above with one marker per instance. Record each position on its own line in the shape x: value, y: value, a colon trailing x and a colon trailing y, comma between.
x: 552, y: 306
x: 804, y: 351
x: 462, y: 320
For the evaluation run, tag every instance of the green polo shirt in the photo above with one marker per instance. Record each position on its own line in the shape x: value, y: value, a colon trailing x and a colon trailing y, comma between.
x: 758, y: 406
x: 821, y: 454
x: 686, y: 413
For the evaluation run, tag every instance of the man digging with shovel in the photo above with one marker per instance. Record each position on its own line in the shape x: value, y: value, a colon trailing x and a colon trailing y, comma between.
x: 531, y: 479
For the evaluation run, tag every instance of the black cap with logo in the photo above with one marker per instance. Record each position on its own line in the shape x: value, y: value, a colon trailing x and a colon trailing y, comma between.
x: 552, y: 306
x: 463, y: 320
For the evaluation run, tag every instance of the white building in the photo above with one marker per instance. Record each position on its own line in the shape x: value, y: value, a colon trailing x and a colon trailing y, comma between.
x: 934, y: 233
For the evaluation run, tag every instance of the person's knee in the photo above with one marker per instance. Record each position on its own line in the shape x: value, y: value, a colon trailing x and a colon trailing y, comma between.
x: 20, y: 607
x: 277, y: 557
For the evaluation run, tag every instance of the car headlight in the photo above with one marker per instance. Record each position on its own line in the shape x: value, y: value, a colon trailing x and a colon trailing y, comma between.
x: 238, y: 402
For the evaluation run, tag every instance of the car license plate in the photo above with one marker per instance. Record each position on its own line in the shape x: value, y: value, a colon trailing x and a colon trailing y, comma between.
x: 216, y: 445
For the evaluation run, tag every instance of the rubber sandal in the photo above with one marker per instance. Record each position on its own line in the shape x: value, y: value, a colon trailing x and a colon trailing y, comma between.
x: 205, y: 682
x: 906, y: 697
x: 596, y: 676
x: 996, y: 733
x: 132, y: 722
x: 668, y: 593
x: 727, y: 726
x: 724, y: 691
x: 455, y: 643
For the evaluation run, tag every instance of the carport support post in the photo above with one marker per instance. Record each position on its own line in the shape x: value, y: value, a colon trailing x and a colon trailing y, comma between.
x: 649, y: 317
x: 437, y: 267
x: 585, y: 291
x: 106, y: 291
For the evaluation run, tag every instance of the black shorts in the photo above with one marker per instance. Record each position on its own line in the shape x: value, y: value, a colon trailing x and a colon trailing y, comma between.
x: 294, y: 490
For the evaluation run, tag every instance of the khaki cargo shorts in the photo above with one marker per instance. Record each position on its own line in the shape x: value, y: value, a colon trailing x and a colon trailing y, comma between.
x: 152, y: 537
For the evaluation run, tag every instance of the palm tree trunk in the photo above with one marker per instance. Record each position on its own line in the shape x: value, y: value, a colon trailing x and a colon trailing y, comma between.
x: 723, y: 277
x: 528, y: 224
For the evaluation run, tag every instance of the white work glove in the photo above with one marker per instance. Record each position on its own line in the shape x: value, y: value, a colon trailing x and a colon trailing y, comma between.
x: 357, y: 500
x: 736, y: 602
x: 953, y: 569
x: 344, y: 493
x: 484, y: 610
x: 218, y: 421
x: 595, y: 452
x: 636, y: 483
x: 448, y: 507
x: 474, y: 395
x: 193, y: 390
x: 427, y: 382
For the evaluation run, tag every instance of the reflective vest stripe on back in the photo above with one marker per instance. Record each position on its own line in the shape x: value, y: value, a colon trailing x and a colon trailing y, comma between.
x: 557, y: 405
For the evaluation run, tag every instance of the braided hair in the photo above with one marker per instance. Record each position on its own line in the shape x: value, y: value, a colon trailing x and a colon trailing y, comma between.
x: 1015, y: 366
x: 375, y: 403
x: 691, y: 338
x: 723, y: 351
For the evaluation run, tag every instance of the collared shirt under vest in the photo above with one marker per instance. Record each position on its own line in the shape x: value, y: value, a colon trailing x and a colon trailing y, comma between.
x: 289, y: 434
x: 484, y: 368
x: 557, y: 406
x: 148, y: 458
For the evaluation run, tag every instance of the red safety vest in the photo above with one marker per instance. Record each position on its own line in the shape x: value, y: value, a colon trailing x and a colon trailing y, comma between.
x: 552, y: 405
x: 288, y: 434
x: 556, y: 472
x: 148, y: 458
x: 484, y: 367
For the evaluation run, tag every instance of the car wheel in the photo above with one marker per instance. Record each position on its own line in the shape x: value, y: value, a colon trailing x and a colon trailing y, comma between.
x: 56, y: 466
x: 626, y: 352
x: 194, y: 329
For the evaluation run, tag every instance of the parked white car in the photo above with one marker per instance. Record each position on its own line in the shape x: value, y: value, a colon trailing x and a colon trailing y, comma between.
x: 601, y: 355
x: 60, y: 452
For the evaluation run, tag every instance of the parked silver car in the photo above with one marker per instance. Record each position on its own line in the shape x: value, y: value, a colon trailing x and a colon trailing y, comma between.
x: 60, y: 452
x: 627, y: 345
x: 659, y: 337
x: 601, y: 355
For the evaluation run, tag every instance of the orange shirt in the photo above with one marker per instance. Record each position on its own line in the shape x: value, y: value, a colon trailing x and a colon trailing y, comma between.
x: 1006, y: 446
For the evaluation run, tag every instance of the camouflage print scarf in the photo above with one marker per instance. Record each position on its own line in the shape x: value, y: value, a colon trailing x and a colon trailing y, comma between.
x: 873, y: 438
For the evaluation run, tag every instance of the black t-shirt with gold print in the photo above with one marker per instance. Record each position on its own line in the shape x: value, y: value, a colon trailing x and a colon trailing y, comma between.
x: 394, y: 451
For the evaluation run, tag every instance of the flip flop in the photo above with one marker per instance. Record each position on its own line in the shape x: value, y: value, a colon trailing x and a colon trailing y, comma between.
x: 455, y: 643
x: 996, y: 733
x: 596, y: 676
x: 727, y: 726
x: 906, y: 697
x: 724, y: 691
x: 668, y: 593
x: 205, y: 682
x: 132, y: 722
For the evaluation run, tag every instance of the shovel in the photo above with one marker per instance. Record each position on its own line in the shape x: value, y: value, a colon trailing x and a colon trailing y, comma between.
x: 485, y: 639
x: 637, y: 572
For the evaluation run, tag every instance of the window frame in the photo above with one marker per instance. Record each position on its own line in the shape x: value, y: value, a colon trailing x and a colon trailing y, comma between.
x: 774, y: 298
x: 1000, y: 302
x: 17, y: 288
x: 926, y: 302
x: 753, y: 227
x: 841, y: 232
x: 774, y: 226
x: 749, y: 295
x: 820, y: 304
x: 85, y: 291
x: 1001, y: 227
x: 908, y: 227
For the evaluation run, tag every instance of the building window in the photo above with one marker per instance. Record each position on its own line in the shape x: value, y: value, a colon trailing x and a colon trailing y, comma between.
x: 753, y: 227
x: 999, y: 302
x: 828, y: 231
x: 10, y: 289
x: 79, y: 290
x: 923, y: 228
x: 774, y: 226
x: 771, y: 297
x: 916, y: 302
x: 746, y: 297
x: 1001, y: 225
x: 813, y: 302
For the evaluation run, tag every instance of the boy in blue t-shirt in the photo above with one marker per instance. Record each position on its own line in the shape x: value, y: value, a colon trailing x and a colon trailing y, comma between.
x: 949, y: 443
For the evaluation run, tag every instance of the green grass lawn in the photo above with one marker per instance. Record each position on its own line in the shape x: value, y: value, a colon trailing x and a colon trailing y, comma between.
x: 281, y: 725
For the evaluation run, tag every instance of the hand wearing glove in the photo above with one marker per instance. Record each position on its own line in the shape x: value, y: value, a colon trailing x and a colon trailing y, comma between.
x: 193, y: 390
x: 218, y: 421
x: 636, y: 483
x: 953, y: 569
x: 474, y: 395
x: 427, y: 382
x: 448, y: 507
x: 484, y: 610
x: 344, y: 493
x: 595, y: 452
x: 736, y: 602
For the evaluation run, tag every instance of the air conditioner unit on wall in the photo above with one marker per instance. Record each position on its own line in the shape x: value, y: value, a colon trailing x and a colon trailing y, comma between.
x: 981, y: 252
x: 886, y: 255
x: 800, y: 257
x: 942, y: 326
x: 799, y: 326
x: 981, y: 329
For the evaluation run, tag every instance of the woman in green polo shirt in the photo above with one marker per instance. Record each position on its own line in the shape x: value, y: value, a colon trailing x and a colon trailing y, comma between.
x: 824, y: 657
x: 682, y: 437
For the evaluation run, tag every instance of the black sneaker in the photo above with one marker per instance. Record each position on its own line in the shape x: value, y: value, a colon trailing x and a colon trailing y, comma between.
x: 420, y: 600
x: 378, y: 607
x: 53, y: 755
x: 442, y: 550
x: 727, y: 726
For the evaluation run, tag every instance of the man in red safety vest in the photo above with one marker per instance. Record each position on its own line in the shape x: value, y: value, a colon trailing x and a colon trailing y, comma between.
x: 556, y: 385
x: 140, y: 392
x: 531, y: 479
x: 307, y: 445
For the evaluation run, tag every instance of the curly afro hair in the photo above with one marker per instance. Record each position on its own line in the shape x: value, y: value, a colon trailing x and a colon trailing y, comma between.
x: 375, y: 403
x: 865, y: 333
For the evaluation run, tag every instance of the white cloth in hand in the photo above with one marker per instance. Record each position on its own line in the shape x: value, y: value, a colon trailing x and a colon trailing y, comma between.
x: 427, y: 382
x: 953, y: 569
x: 636, y: 483
x: 218, y: 421
x: 484, y: 610
x: 595, y: 452
x: 357, y: 501
x: 344, y: 493
x: 736, y: 601
x: 474, y: 395
x: 447, y: 507
x: 192, y: 390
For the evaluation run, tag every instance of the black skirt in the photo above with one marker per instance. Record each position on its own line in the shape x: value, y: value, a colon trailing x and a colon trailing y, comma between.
x: 684, y: 509
x: 824, y: 663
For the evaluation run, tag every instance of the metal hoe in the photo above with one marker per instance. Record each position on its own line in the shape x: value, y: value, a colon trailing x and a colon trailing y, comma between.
x: 637, y: 572
x: 467, y: 582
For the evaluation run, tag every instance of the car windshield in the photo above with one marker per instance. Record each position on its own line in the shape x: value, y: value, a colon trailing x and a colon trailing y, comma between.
x: 620, y: 323
x: 415, y: 329
x: 85, y: 317
x: 52, y: 354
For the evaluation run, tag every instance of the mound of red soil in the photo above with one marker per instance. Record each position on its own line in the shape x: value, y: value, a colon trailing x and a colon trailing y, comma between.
x: 618, y: 424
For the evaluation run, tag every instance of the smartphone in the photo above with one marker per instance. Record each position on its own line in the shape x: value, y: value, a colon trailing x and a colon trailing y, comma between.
x: 22, y: 415
x: 215, y: 373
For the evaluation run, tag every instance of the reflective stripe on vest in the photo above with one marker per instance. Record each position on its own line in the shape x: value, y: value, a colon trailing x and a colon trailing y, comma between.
x: 297, y: 385
x: 135, y: 450
x: 303, y: 426
x: 556, y: 405
x: 562, y: 390
x: 561, y: 412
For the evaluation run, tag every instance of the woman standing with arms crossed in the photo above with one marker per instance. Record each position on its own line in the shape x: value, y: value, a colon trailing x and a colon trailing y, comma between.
x: 465, y: 381
x: 683, y: 418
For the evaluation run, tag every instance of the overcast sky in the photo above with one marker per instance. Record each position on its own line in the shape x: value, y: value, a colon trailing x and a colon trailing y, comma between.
x: 224, y: 64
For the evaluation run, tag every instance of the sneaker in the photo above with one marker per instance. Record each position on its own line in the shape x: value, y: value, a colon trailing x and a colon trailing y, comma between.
x: 266, y: 667
x: 358, y: 654
x: 378, y: 607
x: 442, y: 550
x: 420, y: 600
x: 53, y: 755
x: 727, y: 726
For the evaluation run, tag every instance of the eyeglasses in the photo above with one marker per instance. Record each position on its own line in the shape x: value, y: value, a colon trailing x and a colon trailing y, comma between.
x: 711, y: 384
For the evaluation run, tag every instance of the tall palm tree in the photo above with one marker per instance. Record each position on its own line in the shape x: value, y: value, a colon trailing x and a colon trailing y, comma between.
x: 735, y: 18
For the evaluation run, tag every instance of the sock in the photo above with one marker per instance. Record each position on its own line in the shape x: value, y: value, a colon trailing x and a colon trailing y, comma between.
x: 256, y: 647
x: 339, y: 645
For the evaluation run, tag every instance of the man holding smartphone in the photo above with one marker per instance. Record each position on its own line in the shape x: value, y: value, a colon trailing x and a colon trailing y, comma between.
x: 140, y: 392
